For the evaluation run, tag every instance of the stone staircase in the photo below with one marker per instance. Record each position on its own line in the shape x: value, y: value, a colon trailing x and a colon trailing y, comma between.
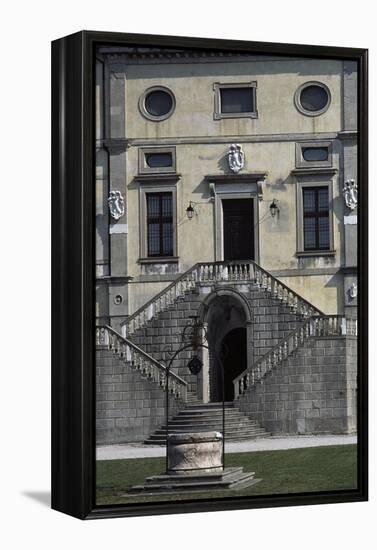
x: 205, y: 417
x: 131, y: 374
x: 276, y: 310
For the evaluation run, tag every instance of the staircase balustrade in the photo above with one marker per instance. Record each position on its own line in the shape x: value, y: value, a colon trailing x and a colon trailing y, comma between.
x: 324, y: 326
x: 248, y: 272
x: 139, y: 360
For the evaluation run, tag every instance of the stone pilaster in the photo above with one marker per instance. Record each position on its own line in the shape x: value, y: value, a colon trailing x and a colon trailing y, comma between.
x: 349, y: 172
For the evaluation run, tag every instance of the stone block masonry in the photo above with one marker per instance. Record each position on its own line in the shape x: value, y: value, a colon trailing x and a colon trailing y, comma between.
x: 129, y: 407
x: 311, y: 392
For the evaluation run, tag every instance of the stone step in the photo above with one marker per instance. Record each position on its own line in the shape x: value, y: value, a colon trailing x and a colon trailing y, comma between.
x: 202, y: 417
x: 228, y: 474
x: 235, y: 422
x: 230, y: 478
x: 213, y: 422
x: 213, y: 405
x: 209, y: 427
x: 230, y: 432
x: 208, y: 412
x: 161, y: 441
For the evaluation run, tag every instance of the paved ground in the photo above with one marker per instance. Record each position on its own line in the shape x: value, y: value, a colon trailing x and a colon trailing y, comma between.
x: 134, y: 450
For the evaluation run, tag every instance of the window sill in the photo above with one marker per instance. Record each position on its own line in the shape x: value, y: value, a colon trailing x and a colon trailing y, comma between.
x: 311, y: 253
x: 250, y: 114
x: 159, y: 260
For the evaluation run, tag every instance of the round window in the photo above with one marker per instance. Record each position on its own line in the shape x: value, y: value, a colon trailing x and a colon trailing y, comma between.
x: 312, y: 98
x: 157, y: 103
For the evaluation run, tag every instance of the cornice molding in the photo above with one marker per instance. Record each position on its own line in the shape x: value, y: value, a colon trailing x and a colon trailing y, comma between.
x: 158, y: 177
x: 236, y: 178
x: 302, y: 172
x: 348, y: 135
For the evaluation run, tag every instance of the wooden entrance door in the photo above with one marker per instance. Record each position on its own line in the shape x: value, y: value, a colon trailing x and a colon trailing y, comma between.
x: 238, y: 229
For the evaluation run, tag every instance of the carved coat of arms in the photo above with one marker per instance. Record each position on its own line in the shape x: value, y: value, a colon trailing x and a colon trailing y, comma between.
x: 352, y: 291
x: 236, y: 158
x: 116, y: 204
x: 350, y: 194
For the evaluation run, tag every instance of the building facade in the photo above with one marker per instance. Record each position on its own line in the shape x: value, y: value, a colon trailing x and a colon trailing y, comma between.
x: 226, y: 188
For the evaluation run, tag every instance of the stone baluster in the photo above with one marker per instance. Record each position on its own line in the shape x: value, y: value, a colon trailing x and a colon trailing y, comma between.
x: 286, y: 349
x: 258, y: 371
x: 268, y: 363
x: 251, y: 272
x: 273, y: 287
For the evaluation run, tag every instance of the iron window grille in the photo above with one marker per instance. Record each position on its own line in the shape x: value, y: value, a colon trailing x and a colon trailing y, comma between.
x: 160, y: 224
x: 316, y: 218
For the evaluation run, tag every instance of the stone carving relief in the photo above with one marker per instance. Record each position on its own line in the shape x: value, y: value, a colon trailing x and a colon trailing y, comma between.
x: 118, y: 299
x: 236, y: 158
x: 350, y: 193
x: 116, y: 204
x: 352, y: 291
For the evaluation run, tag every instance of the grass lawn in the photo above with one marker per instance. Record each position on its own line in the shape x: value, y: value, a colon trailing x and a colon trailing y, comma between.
x: 292, y: 471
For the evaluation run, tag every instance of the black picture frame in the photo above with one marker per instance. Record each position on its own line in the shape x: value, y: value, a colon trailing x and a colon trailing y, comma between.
x: 73, y: 258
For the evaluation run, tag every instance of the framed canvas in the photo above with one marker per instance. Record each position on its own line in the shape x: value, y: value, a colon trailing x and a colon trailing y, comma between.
x: 209, y: 276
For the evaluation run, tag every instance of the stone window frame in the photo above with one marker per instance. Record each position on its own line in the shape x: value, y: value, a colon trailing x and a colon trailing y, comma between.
x: 313, y: 179
x: 218, y: 86
x: 143, y: 109
x: 302, y: 163
x: 145, y: 169
x: 148, y: 184
x: 302, y: 109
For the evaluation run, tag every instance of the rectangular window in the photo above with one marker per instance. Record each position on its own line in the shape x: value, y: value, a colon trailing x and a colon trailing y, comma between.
x: 316, y: 218
x: 157, y: 160
x: 235, y: 100
x: 316, y: 154
x: 159, y: 224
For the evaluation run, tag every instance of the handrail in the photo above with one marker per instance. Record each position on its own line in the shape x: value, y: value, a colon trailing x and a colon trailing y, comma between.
x: 220, y: 271
x: 325, y: 325
x: 140, y: 360
x: 161, y: 293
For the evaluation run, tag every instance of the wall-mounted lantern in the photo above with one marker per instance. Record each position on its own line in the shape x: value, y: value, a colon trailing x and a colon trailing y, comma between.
x: 190, y: 211
x: 274, y: 209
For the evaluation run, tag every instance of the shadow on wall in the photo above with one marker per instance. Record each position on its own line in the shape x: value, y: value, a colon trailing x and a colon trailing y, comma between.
x: 336, y: 281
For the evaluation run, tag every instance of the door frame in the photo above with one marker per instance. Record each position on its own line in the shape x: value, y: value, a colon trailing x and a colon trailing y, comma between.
x: 241, y: 186
x: 219, y: 222
x: 247, y: 219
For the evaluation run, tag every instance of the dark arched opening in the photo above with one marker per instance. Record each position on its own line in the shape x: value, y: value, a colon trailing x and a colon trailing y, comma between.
x: 235, y: 358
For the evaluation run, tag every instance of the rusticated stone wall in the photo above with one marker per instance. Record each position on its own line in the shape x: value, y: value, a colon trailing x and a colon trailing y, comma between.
x: 313, y: 391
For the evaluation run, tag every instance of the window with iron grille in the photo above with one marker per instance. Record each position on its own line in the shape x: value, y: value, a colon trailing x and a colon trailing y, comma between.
x: 160, y: 224
x: 316, y: 218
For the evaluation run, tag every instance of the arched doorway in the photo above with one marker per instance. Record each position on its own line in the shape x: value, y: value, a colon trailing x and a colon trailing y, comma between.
x: 235, y: 359
x: 226, y: 316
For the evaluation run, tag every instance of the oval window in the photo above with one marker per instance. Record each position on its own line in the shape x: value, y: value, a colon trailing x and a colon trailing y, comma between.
x: 312, y: 98
x: 159, y: 160
x: 157, y: 103
x: 311, y: 154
